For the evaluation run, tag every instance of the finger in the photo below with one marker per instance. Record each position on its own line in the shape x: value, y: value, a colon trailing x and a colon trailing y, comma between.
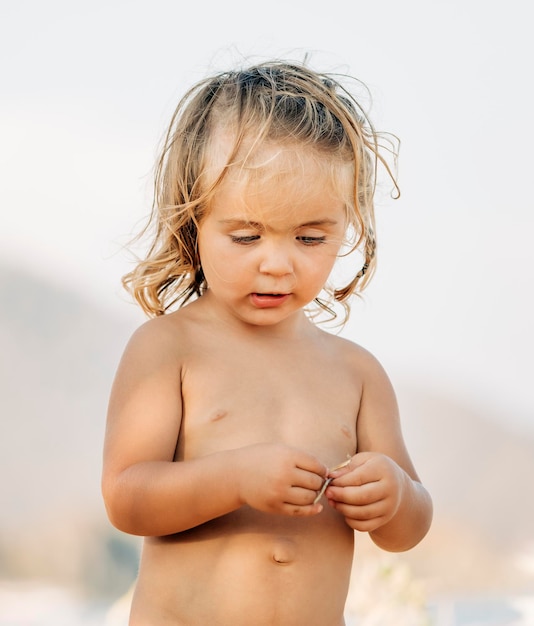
x: 307, y: 480
x: 364, y: 526
x: 367, y: 470
x: 358, y: 460
x: 300, y: 496
x: 363, y: 513
x: 355, y: 495
x: 301, y: 511
x: 309, y: 463
x: 357, y: 478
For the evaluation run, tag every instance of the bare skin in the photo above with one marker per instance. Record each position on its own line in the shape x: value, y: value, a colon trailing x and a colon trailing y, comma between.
x: 214, y: 559
x: 225, y: 418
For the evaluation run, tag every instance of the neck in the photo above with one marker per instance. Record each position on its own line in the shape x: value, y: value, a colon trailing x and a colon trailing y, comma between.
x: 297, y: 325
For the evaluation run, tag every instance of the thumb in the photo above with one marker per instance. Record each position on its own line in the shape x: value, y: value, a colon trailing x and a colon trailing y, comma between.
x: 351, y: 466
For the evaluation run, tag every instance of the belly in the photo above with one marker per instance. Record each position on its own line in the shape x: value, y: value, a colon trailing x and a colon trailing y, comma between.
x: 247, y: 567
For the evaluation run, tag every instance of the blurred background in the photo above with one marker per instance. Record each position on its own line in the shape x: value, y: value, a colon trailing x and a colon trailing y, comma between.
x: 87, y: 90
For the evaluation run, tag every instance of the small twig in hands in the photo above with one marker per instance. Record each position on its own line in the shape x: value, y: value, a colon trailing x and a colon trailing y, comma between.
x: 329, y: 480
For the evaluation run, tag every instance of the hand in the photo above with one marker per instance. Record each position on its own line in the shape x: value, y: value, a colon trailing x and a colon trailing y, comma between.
x: 275, y: 478
x: 368, y: 491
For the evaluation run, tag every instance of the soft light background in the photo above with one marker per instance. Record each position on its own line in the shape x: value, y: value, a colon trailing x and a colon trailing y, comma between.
x: 87, y: 88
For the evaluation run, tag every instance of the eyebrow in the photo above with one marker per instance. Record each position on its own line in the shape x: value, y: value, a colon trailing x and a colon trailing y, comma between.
x: 259, y: 226
x: 241, y: 222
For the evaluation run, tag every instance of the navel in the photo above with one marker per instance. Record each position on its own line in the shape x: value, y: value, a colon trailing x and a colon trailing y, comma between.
x: 284, y: 551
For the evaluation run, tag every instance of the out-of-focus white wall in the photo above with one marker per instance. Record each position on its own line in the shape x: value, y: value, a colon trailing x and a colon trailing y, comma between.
x: 87, y: 90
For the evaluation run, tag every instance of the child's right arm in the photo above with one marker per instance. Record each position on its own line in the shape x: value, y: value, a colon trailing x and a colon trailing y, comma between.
x: 147, y: 493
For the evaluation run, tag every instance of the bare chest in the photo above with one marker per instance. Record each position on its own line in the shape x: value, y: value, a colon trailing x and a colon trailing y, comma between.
x: 233, y: 399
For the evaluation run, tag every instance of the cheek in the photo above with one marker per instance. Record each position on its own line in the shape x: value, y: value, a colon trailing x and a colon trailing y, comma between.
x: 221, y: 263
x: 322, y: 265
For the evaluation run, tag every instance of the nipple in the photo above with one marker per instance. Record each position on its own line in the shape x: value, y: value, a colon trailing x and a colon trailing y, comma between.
x: 346, y: 431
x: 284, y: 550
x: 218, y: 415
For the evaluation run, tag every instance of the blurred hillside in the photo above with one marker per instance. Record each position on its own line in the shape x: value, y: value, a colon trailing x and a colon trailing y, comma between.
x: 480, y: 476
x: 58, y: 358
x: 57, y: 363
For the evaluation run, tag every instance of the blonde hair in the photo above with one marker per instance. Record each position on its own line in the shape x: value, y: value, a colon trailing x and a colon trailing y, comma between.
x: 277, y: 101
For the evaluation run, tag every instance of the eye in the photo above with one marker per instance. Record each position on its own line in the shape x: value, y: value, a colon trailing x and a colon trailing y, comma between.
x: 244, y: 240
x: 311, y: 241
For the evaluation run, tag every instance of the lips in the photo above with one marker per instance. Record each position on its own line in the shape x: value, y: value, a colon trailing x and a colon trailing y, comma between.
x: 268, y: 300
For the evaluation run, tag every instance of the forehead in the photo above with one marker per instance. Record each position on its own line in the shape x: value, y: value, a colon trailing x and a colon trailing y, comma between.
x: 249, y: 155
x: 288, y: 176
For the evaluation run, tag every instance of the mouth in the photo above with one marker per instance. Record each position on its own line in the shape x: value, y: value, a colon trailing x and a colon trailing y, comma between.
x: 267, y: 300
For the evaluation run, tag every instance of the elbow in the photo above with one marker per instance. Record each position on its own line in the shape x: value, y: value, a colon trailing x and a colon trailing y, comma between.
x: 408, y: 530
x: 118, y: 505
x: 400, y: 542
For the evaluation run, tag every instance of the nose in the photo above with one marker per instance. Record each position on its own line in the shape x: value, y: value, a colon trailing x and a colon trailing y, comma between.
x: 276, y: 259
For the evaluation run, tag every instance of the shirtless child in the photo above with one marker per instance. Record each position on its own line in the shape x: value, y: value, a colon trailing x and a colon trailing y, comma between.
x: 229, y: 411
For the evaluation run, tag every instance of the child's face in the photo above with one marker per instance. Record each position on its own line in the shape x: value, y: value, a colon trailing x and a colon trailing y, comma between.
x: 272, y: 233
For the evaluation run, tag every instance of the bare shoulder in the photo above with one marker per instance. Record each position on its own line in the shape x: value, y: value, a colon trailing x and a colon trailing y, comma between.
x: 145, y: 405
x: 377, y: 387
x: 355, y: 356
x: 152, y: 362
x: 167, y: 337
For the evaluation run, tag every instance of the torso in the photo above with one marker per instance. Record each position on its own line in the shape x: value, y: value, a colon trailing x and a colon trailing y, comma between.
x: 288, y: 571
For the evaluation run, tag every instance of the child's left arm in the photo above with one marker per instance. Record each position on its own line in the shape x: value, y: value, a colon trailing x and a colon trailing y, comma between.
x: 379, y: 492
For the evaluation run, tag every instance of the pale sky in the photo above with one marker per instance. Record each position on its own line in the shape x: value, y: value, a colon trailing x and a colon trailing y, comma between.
x: 87, y: 90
